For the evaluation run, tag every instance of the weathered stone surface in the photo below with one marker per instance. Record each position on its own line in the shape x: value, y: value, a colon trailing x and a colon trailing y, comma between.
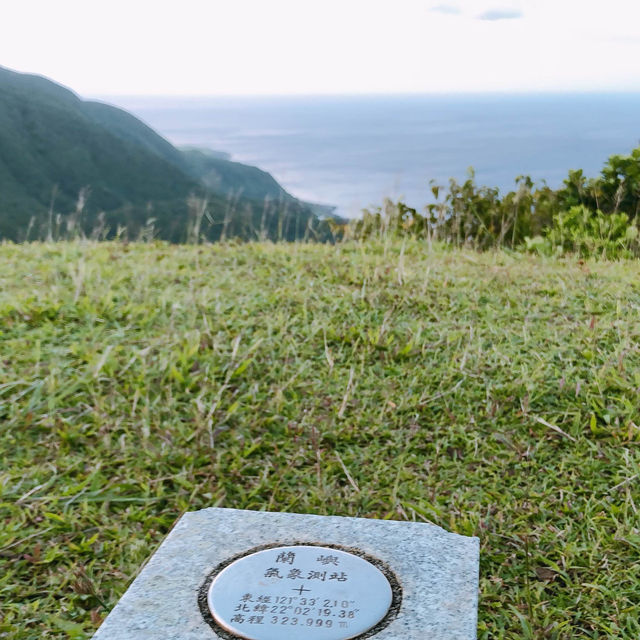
x: 436, y: 570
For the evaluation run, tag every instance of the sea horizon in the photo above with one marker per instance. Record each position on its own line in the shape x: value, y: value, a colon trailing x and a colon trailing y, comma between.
x: 352, y: 151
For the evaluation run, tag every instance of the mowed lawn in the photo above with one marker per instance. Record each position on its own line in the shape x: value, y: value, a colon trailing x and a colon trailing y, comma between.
x: 495, y: 395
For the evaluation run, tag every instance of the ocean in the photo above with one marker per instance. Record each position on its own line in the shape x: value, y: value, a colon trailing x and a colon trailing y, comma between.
x: 352, y: 152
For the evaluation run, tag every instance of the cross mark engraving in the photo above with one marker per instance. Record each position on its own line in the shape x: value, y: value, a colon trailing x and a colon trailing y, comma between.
x: 300, y: 590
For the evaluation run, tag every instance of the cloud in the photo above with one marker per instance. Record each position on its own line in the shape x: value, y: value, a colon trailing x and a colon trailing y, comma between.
x: 624, y: 39
x: 501, y: 14
x: 448, y: 9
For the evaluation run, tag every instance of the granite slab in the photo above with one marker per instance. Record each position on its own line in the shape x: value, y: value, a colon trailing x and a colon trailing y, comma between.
x: 434, y: 573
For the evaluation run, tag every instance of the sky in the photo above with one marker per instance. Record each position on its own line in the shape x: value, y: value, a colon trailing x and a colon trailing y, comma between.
x: 256, y: 47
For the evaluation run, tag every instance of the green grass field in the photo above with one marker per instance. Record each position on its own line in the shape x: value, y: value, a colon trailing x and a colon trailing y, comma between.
x: 492, y: 394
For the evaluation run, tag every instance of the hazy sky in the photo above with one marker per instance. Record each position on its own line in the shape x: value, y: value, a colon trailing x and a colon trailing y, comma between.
x: 207, y: 47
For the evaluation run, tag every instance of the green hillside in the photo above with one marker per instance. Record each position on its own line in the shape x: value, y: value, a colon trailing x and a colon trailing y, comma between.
x: 232, y: 178
x: 55, y: 146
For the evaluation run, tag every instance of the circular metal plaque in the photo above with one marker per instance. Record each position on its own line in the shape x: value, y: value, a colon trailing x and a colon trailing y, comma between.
x: 284, y: 593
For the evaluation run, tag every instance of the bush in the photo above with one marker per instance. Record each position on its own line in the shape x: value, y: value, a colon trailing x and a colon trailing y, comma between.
x: 594, y: 234
x: 585, y: 216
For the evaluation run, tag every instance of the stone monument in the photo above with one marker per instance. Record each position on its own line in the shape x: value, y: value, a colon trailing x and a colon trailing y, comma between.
x: 226, y: 573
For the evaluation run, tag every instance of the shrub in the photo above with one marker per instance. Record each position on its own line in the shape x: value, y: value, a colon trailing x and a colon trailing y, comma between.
x: 594, y: 234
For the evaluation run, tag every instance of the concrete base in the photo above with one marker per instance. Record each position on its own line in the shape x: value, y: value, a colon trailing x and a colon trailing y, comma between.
x: 437, y: 572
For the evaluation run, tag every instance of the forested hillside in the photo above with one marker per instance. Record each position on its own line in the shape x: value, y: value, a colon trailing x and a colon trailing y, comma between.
x: 68, y: 164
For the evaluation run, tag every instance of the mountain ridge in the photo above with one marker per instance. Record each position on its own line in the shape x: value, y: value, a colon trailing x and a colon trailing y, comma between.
x: 60, y: 154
